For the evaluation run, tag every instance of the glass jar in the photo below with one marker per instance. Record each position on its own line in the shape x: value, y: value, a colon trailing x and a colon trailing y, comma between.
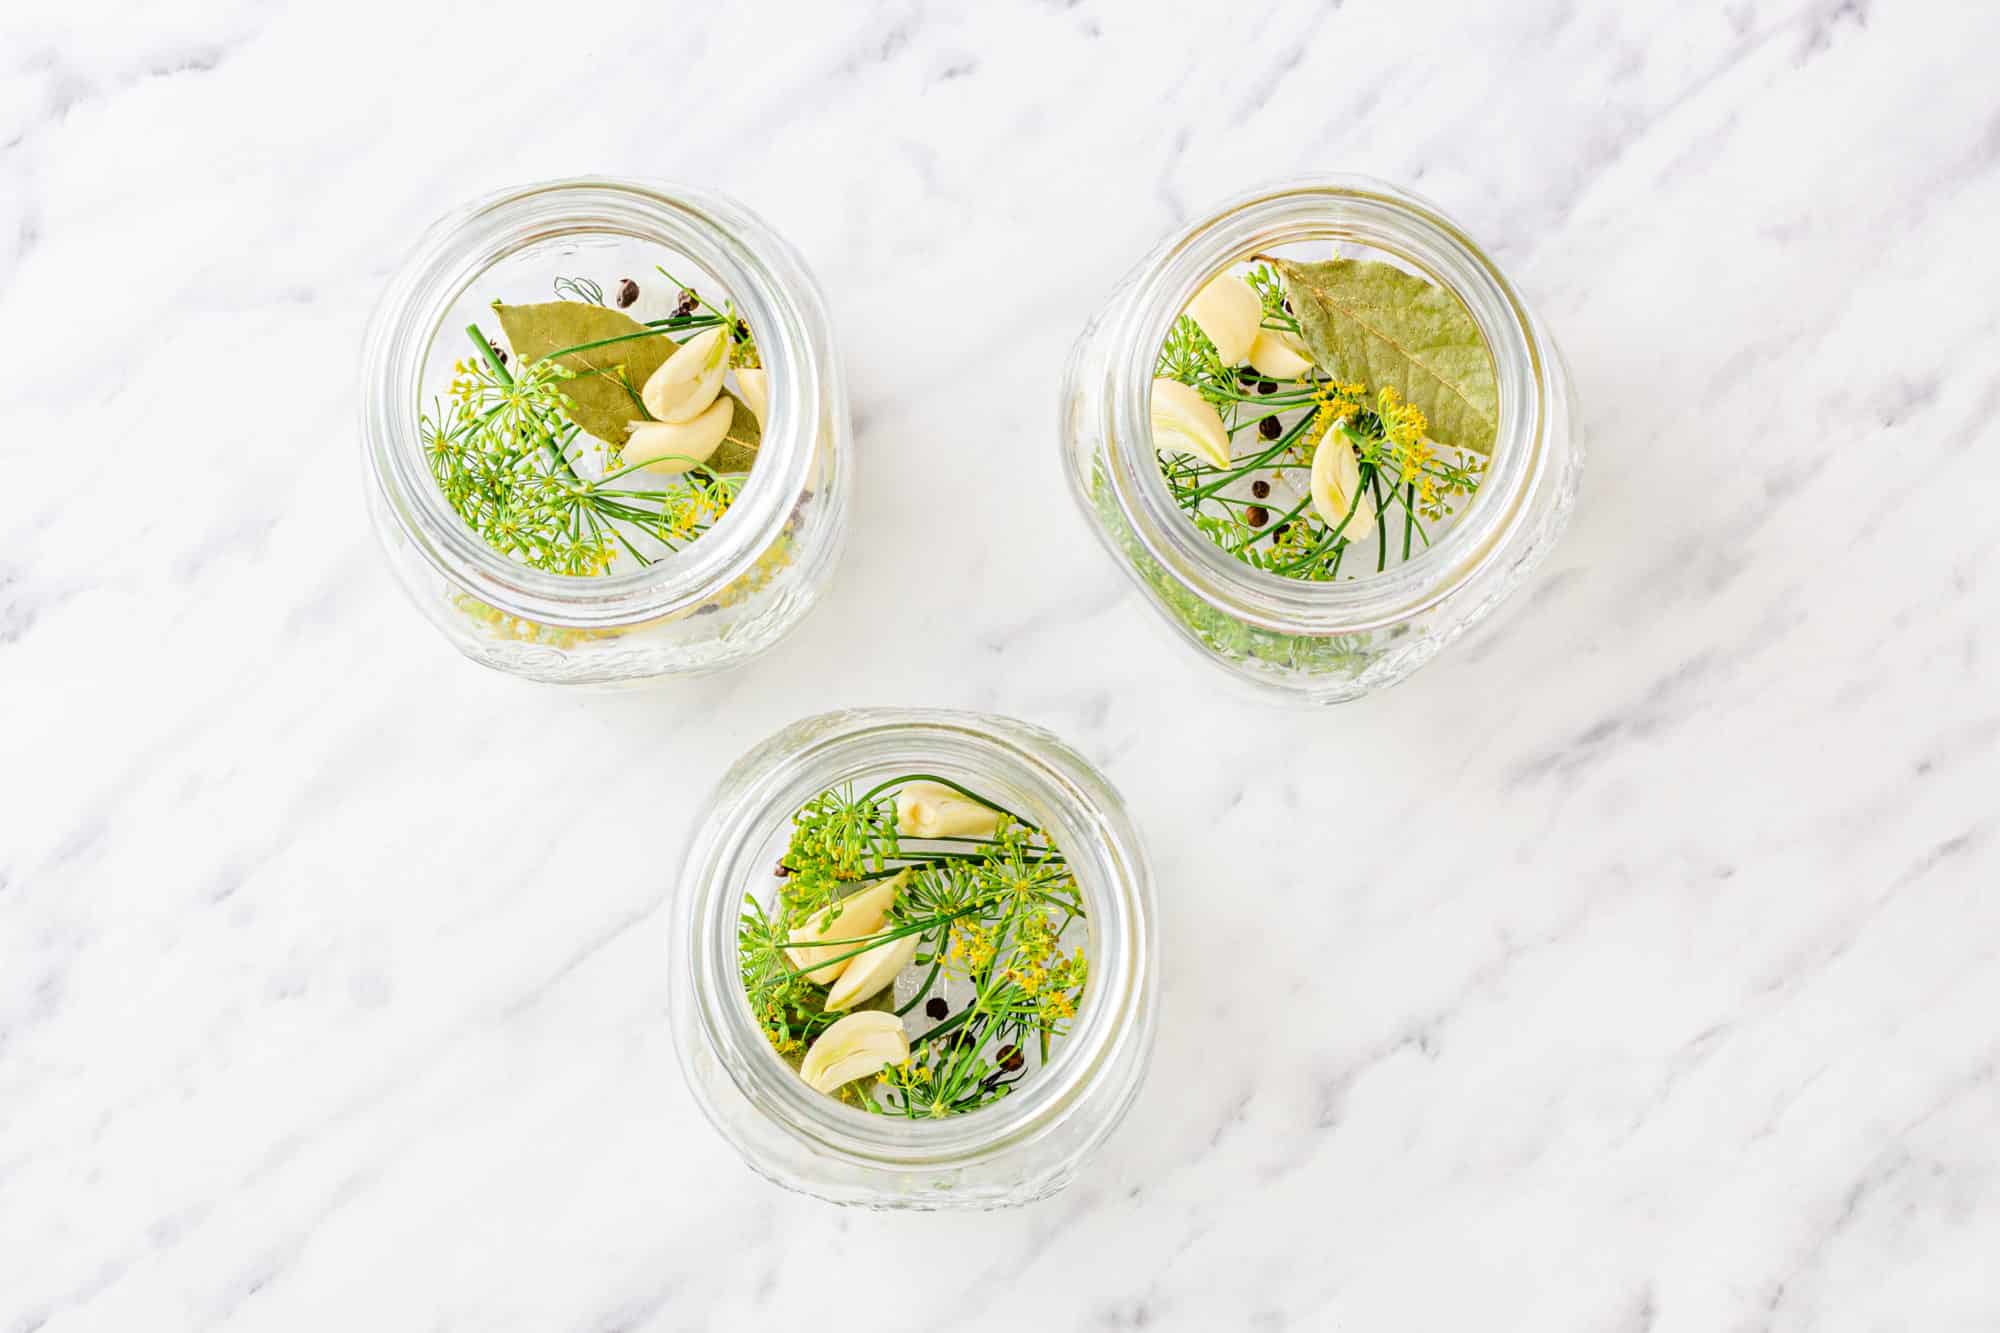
x: 722, y: 598
x: 1320, y: 642
x: 1027, y: 1145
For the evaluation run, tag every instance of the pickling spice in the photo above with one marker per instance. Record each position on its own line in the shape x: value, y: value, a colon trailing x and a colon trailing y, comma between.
x: 601, y: 442
x: 919, y: 943
x: 1374, y: 406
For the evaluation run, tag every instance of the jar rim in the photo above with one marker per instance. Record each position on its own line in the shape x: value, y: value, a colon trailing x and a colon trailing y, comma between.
x: 1365, y: 212
x: 773, y: 292
x: 1054, y: 784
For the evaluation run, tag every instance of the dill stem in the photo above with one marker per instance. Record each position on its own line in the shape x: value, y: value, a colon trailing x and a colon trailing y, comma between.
x: 937, y: 965
x: 1353, y: 508
x: 501, y: 373
x: 1381, y: 523
x: 1256, y: 461
x: 655, y: 328
x: 1271, y: 528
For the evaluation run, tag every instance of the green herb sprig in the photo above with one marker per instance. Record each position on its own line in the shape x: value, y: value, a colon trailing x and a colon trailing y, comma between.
x: 497, y: 448
x: 990, y: 914
x: 1259, y: 509
x: 499, y: 443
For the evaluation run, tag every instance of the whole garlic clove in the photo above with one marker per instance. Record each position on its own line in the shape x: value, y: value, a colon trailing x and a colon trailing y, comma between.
x: 867, y: 973
x: 687, y: 382
x: 1336, y: 487
x: 855, y: 1047
x: 933, y: 810
x: 753, y: 385
x: 1278, y: 355
x: 1185, y: 422
x: 856, y: 916
x: 1229, y: 311
x: 670, y: 447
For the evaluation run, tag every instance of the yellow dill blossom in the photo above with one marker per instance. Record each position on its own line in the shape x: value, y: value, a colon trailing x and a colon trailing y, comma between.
x: 968, y: 914
x: 909, y: 1076
x: 1403, y: 427
x: 1403, y: 422
x: 769, y: 565
x: 1030, y: 979
x: 464, y: 381
x: 971, y: 945
x: 1037, y: 937
x: 1333, y: 403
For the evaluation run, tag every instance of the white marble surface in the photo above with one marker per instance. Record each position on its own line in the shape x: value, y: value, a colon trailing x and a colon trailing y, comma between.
x: 1633, y: 968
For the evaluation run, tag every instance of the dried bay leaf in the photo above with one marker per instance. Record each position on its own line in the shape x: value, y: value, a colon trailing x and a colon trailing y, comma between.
x: 738, y: 450
x: 1372, y: 322
x: 604, y: 396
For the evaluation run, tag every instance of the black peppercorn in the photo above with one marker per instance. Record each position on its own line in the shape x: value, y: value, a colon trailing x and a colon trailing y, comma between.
x: 687, y: 303
x: 936, y: 1007
x: 1247, y: 375
x: 742, y: 329
x: 1260, y: 488
x: 628, y: 292
x: 498, y: 351
x: 1269, y: 428
x: 1281, y: 529
x: 1010, y: 1058
x: 1268, y: 386
x: 783, y: 870
x: 1256, y: 516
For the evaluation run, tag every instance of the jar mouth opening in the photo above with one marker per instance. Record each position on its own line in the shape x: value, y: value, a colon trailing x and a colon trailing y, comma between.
x: 1102, y: 855
x: 1352, y: 212
x: 460, y: 249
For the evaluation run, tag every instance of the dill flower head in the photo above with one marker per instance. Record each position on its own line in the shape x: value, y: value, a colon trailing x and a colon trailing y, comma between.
x: 971, y: 946
x: 833, y: 840
x: 1035, y: 939
x: 1402, y: 422
x: 1333, y: 403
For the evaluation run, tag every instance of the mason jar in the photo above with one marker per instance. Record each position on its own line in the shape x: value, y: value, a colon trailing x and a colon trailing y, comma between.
x: 721, y: 598
x: 1023, y: 1147
x: 1333, y: 641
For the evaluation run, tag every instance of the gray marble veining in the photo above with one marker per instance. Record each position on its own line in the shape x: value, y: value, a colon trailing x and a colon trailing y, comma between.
x: 1632, y: 968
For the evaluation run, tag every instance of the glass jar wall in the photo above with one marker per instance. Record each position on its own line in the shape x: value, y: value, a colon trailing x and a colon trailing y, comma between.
x: 1023, y: 1147
x: 1322, y: 642
x: 717, y: 600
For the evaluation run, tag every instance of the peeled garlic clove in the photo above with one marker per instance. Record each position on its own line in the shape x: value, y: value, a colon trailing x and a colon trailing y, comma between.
x: 1229, y: 312
x: 671, y: 447
x: 687, y: 382
x: 1186, y: 423
x: 855, y: 917
x: 933, y: 810
x: 1336, y: 487
x: 753, y: 385
x: 1278, y: 355
x: 868, y: 973
x: 855, y: 1047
